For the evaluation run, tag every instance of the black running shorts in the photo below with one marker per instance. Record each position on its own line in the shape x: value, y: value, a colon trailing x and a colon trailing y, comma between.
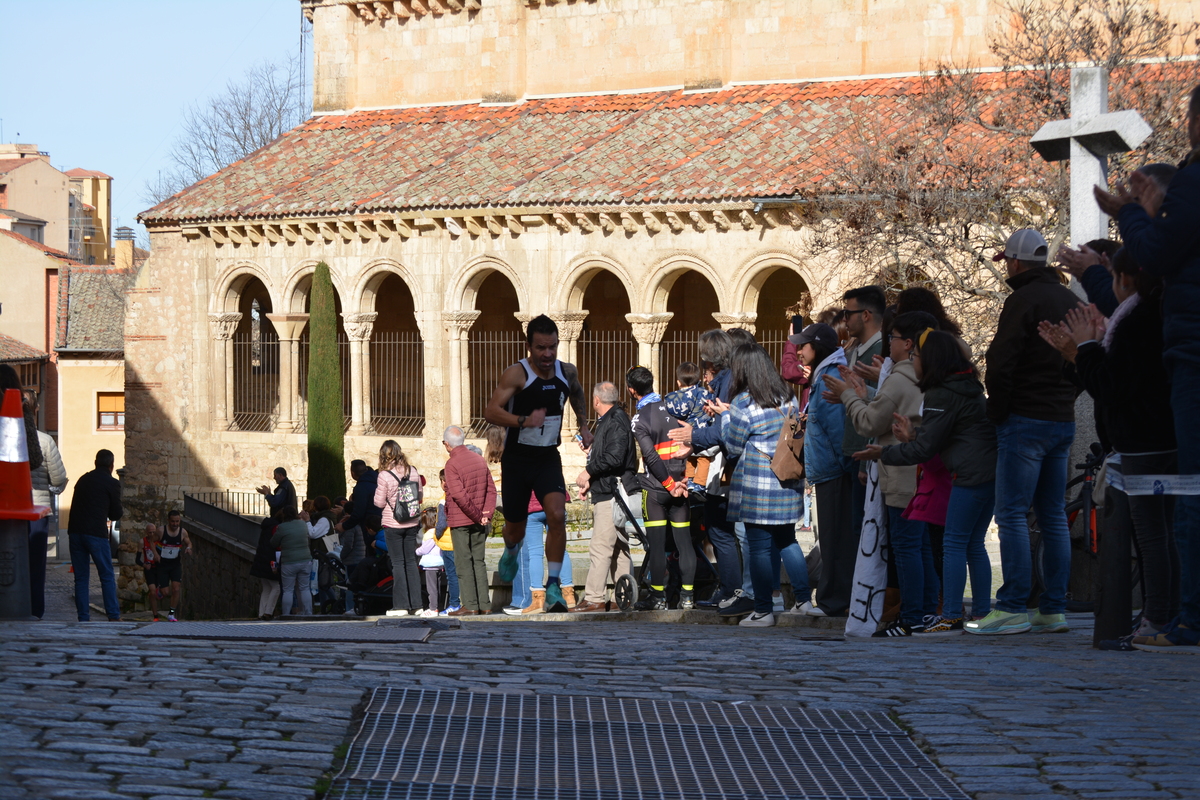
x: 522, y: 476
x: 170, y: 571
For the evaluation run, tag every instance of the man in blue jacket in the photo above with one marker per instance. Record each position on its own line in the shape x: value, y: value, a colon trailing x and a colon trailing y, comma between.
x: 1168, y: 245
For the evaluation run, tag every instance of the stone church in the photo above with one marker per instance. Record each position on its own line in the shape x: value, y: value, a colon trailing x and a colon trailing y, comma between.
x: 621, y: 165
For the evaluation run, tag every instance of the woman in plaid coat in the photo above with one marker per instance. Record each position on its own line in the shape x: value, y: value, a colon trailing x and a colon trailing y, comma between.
x: 769, y: 508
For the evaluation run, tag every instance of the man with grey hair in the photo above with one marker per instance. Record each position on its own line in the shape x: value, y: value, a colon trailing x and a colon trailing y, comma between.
x: 611, y: 458
x: 470, y: 504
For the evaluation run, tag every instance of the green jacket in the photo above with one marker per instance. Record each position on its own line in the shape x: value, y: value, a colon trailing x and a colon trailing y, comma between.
x: 292, y: 539
x: 954, y: 424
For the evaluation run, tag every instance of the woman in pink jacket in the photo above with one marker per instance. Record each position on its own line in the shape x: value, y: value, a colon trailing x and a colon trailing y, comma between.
x: 396, y: 479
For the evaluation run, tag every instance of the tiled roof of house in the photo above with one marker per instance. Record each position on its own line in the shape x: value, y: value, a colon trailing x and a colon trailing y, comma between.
x: 86, y: 173
x: 9, y: 164
x: 50, y: 251
x: 654, y: 147
x: 15, y: 350
x: 91, y: 308
x: 10, y: 213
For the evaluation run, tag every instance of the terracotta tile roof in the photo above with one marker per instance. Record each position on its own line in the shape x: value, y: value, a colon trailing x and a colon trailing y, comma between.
x: 86, y: 173
x: 15, y: 350
x: 91, y: 308
x: 653, y: 147
x: 50, y: 251
x: 9, y: 164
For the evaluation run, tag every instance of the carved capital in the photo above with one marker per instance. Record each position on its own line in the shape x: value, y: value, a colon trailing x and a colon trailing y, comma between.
x: 649, y: 328
x: 742, y: 319
x: 523, y: 317
x: 358, y: 326
x: 457, y: 323
x: 224, y: 323
x: 288, y: 326
x: 570, y: 324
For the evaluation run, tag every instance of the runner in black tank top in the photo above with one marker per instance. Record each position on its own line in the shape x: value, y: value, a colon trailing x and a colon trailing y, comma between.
x: 529, y: 402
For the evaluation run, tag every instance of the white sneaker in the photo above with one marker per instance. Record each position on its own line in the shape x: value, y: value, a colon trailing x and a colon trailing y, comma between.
x: 513, y: 611
x: 349, y: 612
x: 777, y: 603
x: 809, y: 609
x: 397, y: 612
x: 757, y: 620
x: 728, y: 601
x: 797, y: 609
x: 427, y: 613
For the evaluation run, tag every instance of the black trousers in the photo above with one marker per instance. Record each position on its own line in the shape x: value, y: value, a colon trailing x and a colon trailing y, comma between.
x: 839, y: 543
x: 664, y: 511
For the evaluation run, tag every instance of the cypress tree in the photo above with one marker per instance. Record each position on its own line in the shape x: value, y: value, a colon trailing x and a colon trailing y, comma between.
x: 326, y: 471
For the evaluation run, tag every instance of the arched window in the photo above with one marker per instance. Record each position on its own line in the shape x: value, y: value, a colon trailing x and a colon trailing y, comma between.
x: 255, y: 362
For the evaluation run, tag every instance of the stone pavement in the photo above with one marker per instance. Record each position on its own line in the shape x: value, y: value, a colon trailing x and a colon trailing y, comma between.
x: 88, y: 713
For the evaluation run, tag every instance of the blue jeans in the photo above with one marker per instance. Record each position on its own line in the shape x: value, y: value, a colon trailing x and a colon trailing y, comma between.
x: 806, y: 520
x: 765, y: 544
x: 739, y: 531
x: 967, y: 520
x: 1031, y: 470
x: 1184, y: 373
x: 530, y: 560
x: 452, y: 600
x: 909, y: 543
x: 797, y: 570
x: 725, y: 544
x: 97, y: 550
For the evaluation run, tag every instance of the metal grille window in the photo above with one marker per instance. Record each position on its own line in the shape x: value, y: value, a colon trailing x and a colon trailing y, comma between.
x: 675, y: 349
x: 302, y: 385
x: 489, y: 353
x: 256, y: 379
x: 606, y: 356
x: 397, y: 383
x: 110, y: 411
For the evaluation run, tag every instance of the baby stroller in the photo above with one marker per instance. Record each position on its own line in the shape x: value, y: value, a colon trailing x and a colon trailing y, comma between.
x: 369, y: 582
x: 628, y: 589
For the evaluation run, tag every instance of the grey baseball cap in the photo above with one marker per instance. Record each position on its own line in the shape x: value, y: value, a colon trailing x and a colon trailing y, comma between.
x: 1025, y: 245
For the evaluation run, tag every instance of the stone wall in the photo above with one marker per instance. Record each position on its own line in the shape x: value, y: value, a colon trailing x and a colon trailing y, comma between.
x: 216, y: 577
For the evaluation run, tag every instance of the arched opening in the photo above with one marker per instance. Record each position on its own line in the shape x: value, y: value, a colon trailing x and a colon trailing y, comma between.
x: 693, y: 301
x: 495, y: 341
x: 343, y: 343
x: 606, y: 348
x: 782, y: 289
x: 397, y: 364
x: 255, y: 361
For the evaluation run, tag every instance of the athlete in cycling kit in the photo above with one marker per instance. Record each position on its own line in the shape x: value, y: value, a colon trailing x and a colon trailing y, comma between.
x: 530, y: 401
x: 664, y: 491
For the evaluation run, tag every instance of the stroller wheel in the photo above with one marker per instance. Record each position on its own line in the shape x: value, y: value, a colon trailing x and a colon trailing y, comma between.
x: 625, y: 592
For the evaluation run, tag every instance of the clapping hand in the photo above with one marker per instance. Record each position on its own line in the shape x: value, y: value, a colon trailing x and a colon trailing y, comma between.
x: 1058, y: 338
x: 716, y: 407
x: 1076, y: 262
x: 870, y: 371
x: 1110, y: 202
x: 902, y: 428
x: 681, y: 434
x: 1146, y: 192
x: 1085, y: 323
x: 871, y: 452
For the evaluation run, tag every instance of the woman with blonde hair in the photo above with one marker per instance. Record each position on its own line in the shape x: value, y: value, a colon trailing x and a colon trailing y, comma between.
x: 399, y: 491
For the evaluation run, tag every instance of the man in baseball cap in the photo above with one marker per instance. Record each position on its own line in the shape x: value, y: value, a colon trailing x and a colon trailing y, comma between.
x: 1032, y: 405
x: 817, y: 333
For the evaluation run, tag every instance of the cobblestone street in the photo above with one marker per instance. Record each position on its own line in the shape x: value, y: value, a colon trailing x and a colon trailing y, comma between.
x: 88, y: 713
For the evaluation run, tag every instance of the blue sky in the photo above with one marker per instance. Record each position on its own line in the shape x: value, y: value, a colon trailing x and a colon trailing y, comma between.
x: 104, y: 85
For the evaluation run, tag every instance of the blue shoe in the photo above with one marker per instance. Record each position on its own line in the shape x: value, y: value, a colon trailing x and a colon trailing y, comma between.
x: 555, y: 604
x: 509, y: 563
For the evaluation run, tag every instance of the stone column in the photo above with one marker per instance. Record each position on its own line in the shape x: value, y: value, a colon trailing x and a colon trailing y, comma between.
x: 570, y: 326
x: 223, y: 324
x: 457, y: 324
x: 741, y: 319
x: 358, y: 330
x: 648, y: 330
x: 289, y: 327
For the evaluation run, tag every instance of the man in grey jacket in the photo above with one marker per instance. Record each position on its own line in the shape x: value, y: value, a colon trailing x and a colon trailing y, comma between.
x: 611, y: 458
x: 49, y: 478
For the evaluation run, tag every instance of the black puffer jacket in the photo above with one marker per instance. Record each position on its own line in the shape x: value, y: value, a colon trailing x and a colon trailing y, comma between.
x: 954, y: 424
x: 1025, y: 374
x: 1129, y: 382
x: 612, y: 455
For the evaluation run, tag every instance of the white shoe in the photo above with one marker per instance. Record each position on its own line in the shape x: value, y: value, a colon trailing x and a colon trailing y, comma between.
x: 513, y: 611
x: 757, y: 620
x: 777, y: 604
x: 809, y: 609
x: 397, y: 612
x: 427, y: 613
x: 797, y: 610
x: 349, y: 612
x: 728, y: 601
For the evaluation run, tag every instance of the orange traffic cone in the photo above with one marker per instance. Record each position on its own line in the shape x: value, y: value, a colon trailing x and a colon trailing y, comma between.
x: 16, y: 487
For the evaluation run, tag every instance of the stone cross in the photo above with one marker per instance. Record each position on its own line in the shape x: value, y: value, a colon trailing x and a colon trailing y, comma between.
x: 1087, y: 139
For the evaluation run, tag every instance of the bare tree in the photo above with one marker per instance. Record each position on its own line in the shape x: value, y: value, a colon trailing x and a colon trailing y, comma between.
x: 267, y: 101
x: 927, y: 201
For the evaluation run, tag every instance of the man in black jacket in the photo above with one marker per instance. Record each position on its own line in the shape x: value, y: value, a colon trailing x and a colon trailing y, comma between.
x: 1032, y: 403
x: 611, y: 458
x: 97, y: 499
x: 362, y: 499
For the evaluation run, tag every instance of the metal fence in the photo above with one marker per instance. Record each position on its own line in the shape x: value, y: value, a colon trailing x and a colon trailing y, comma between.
x: 675, y: 348
x: 245, y: 504
x: 489, y: 353
x: 256, y: 380
x: 606, y: 356
x: 397, y: 383
x: 302, y: 388
x: 218, y: 519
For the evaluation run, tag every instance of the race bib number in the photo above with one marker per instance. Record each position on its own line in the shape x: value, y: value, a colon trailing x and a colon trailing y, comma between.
x: 170, y: 551
x: 544, y: 436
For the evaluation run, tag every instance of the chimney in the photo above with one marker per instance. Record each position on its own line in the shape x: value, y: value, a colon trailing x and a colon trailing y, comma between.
x: 123, y: 252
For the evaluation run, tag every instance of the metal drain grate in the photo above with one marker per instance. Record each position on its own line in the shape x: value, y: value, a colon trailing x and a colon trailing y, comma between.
x: 418, y: 744
x: 289, y: 631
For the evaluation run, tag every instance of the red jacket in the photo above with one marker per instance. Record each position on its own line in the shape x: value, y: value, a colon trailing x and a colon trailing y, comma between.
x: 470, y: 491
